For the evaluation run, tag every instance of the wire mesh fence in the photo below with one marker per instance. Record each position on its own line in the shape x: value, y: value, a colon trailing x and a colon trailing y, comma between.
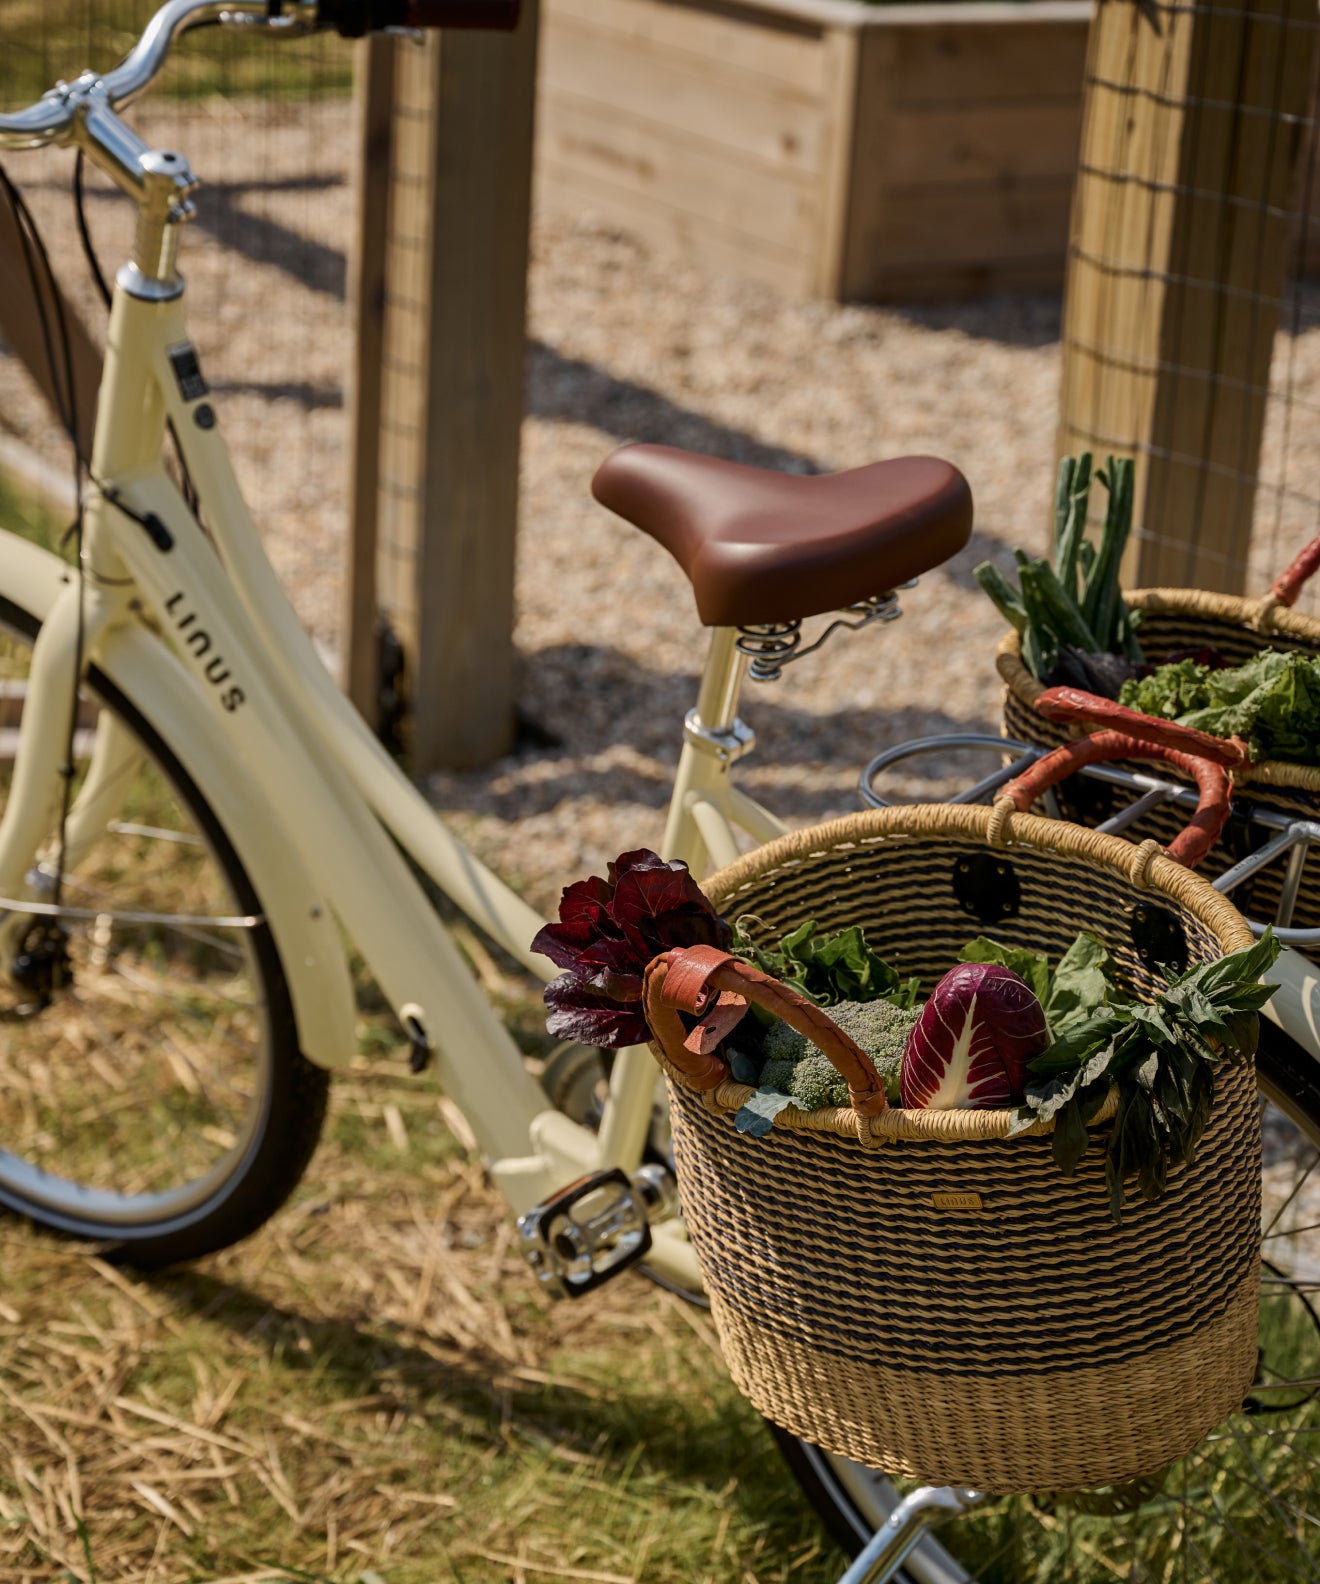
x: 267, y: 126
x: 1192, y: 326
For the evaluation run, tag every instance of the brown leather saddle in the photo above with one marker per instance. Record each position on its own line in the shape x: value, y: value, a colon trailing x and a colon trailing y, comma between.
x: 761, y: 547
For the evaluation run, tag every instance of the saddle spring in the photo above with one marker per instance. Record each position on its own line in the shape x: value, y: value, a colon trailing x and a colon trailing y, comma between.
x: 770, y: 646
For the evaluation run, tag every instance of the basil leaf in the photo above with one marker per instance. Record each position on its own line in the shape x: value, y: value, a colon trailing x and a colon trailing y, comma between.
x: 1070, y: 1138
x: 1080, y: 984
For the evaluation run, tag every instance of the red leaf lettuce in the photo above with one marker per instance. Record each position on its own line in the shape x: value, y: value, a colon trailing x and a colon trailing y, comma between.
x: 608, y: 931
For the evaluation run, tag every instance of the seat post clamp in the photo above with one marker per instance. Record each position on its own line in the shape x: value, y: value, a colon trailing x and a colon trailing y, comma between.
x: 728, y: 743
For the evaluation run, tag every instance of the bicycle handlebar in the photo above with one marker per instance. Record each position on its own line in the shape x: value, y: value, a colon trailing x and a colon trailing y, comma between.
x: 53, y: 116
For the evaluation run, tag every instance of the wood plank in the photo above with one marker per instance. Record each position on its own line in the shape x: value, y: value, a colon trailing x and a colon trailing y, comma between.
x: 973, y: 224
x: 1230, y: 258
x: 452, y: 384
x: 673, y: 229
x: 968, y: 64
x: 777, y: 125
x: 843, y: 51
x: 781, y: 48
x: 952, y: 282
x: 988, y: 143
x: 717, y: 185
x: 374, y: 91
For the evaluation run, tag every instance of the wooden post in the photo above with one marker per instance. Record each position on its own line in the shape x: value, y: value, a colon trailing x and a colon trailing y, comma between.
x: 20, y: 324
x: 1182, y: 225
x: 452, y: 386
x: 374, y: 83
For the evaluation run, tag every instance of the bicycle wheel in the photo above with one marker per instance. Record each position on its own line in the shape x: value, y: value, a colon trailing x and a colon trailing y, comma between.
x: 1244, y: 1505
x: 152, y: 1093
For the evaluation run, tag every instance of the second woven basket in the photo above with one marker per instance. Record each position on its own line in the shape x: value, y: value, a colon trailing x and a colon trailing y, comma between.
x: 1177, y: 620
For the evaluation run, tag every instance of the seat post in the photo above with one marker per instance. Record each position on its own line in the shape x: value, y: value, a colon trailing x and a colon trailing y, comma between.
x: 721, y: 681
x: 713, y: 740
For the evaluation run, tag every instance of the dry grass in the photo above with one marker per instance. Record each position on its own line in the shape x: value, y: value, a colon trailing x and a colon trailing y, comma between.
x: 372, y: 1388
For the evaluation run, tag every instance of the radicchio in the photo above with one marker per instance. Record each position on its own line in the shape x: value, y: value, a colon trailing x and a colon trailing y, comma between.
x: 973, y: 1040
x: 608, y: 932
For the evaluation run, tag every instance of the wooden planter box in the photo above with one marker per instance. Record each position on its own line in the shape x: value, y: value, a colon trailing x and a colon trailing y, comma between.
x: 872, y: 152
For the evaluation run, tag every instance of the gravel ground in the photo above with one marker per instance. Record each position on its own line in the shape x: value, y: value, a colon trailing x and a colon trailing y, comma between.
x: 624, y: 346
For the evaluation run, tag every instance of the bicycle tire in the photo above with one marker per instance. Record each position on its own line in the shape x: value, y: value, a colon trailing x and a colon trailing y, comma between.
x: 273, y: 1140
x: 852, y: 1501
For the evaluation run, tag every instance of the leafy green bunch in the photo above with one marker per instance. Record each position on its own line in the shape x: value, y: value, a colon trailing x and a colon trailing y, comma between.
x: 1272, y: 702
x: 1073, y: 605
x: 1077, y: 988
x: 1161, y: 1056
x: 826, y: 968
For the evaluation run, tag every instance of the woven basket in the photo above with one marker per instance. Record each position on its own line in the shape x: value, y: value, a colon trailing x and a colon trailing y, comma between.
x: 1175, y: 619
x: 919, y: 1292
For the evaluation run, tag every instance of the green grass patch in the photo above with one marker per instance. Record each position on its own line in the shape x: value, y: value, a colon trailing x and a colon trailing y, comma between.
x: 374, y: 1385
x: 28, y: 515
x: 44, y: 42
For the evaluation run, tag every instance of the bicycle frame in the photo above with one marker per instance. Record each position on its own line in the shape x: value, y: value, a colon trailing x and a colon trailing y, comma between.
x: 199, y: 632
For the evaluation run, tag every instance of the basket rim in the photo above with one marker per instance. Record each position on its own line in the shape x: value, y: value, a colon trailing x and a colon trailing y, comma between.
x: 1185, y: 602
x: 1142, y: 866
x: 958, y: 1124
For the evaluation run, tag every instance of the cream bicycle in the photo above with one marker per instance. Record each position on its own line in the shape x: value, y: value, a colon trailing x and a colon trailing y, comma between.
x: 194, y: 812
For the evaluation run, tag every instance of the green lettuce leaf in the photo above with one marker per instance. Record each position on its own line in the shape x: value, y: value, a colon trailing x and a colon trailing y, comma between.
x: 1273, y: 702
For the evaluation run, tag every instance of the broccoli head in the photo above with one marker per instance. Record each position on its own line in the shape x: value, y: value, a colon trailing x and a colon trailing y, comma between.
x: 778, y: 1074
x: 784, y: 1044
x: 882, y: 1030
x: 816, y: 1083
x: 879, y: 1027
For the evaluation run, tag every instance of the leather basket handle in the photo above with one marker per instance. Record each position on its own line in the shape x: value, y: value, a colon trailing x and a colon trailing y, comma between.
x: 703, y: 980
x: 1191, y: 845
x: 1073, y: 706
x: 1290, y: 582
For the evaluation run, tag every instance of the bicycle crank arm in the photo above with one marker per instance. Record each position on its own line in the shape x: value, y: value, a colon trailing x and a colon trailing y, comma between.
x: 595, y: 1227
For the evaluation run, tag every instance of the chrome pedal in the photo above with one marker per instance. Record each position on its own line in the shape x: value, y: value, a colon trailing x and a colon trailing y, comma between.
x: 594, y: 1228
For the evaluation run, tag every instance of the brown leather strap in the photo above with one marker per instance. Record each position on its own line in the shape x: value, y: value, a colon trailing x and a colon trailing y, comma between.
x: 1289, y: 583
x: 699, y: 976
x: 687, y: 986
x: 1212, y: 781
x: 1071, y: 705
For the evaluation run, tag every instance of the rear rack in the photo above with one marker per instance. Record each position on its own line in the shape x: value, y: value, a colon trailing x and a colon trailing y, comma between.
x: 1290, y: 841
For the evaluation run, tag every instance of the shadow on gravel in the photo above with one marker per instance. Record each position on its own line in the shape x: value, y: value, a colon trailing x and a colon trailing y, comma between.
x: 596, y: 699
x: 1017, y: 319
x: 265, y: 241
x: 308, y: 396
x: 980, y: 547
x: 567, y: 390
